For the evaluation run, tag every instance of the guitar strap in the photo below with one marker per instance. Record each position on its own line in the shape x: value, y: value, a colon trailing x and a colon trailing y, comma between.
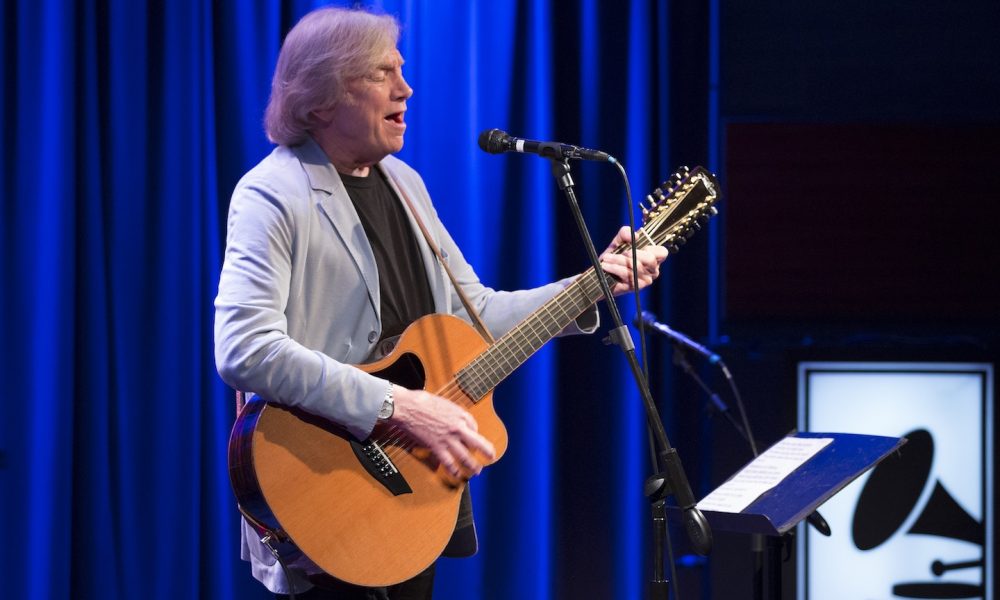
x: 477, y: 321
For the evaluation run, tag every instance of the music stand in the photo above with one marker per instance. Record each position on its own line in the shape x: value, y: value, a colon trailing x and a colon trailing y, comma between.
x: 797, y: 496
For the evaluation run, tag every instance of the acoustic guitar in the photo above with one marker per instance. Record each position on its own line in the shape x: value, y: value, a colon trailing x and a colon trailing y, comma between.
x: 378, y: 511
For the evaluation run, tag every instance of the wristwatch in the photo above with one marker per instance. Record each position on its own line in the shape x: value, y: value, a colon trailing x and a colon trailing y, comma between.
x: 385, y: 413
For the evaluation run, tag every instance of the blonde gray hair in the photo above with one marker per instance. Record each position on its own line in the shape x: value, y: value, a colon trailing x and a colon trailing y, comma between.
x: 325, y: 49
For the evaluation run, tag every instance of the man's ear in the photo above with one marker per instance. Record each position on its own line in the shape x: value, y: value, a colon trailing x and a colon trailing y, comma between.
x: 321, y: 116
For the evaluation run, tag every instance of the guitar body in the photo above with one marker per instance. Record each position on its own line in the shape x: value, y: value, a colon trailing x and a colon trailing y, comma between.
x: 311, y: 481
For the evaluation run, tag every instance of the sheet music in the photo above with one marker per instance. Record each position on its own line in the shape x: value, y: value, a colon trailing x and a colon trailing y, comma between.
x: 765, y: 472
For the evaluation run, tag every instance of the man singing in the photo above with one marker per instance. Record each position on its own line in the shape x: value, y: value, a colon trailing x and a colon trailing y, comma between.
x: 323, y: 265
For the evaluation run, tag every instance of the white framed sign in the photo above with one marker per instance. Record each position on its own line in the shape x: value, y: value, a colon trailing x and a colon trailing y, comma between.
x: 920, y: 524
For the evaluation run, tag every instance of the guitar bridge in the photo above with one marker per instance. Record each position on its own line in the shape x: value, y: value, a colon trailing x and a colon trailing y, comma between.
x: 378, y: 464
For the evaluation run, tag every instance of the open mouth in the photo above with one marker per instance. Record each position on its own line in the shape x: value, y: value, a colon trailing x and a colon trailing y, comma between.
x: 395, y: 117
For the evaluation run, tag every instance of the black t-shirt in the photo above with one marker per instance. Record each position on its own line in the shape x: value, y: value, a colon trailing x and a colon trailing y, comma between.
x: 405, y: 294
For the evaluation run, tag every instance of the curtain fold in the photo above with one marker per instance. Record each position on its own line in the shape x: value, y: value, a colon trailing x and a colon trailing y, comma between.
x: 129, y: 123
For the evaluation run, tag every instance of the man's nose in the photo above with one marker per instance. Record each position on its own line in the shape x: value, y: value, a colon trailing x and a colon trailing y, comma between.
x: 403, y: 89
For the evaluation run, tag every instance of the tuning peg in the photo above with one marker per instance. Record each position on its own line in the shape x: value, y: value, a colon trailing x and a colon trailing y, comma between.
x: 678, y: 177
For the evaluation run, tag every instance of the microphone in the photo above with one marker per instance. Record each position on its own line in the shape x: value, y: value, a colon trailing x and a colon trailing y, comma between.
x: 496, y: 141
x: 679, y: 338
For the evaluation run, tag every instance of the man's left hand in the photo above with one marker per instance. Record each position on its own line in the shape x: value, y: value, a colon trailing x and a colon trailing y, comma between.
x: 620, y: 265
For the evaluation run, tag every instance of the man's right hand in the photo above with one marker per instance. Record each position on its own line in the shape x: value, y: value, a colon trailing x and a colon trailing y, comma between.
x: 445, y: 428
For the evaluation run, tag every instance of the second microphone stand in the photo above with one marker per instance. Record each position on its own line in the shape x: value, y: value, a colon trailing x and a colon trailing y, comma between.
x: 668, y: 478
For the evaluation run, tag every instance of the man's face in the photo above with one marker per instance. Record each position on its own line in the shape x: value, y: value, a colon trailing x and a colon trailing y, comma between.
x: 367, y: 124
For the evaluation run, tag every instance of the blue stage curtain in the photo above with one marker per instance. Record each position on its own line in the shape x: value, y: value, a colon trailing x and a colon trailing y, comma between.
x: 127, y: 123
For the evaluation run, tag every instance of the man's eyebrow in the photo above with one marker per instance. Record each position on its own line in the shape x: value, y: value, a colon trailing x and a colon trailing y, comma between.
x: 390, y: 65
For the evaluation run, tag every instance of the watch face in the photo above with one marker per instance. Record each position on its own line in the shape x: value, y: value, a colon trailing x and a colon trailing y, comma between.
x: 386, y: 411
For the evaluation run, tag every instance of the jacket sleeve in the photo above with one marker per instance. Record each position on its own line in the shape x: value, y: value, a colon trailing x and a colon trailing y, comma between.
x: 253, y: 351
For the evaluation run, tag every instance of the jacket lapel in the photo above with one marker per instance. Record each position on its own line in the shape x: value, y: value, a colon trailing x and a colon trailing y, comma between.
x: 339, y: 209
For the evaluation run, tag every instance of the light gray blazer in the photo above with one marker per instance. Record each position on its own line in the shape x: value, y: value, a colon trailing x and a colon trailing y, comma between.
x: 299, y: 300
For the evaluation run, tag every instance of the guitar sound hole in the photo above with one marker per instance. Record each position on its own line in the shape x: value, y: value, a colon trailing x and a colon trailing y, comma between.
x: 406, y: 371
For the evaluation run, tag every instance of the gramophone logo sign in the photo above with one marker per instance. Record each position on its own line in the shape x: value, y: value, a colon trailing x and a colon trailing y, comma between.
x: 920, y: 524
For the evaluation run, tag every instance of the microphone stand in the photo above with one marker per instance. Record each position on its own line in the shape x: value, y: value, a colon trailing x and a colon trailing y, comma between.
x: 669, y: 477
x: 715, y: 403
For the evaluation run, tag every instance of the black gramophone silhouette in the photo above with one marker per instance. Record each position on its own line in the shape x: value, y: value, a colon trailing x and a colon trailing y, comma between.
x: 891, y: 494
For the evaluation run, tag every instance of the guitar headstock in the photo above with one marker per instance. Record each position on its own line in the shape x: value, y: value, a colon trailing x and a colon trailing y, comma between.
x: 678, y: 208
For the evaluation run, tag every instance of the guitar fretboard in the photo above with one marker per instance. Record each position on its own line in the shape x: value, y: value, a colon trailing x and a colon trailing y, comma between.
x: 501, y: 359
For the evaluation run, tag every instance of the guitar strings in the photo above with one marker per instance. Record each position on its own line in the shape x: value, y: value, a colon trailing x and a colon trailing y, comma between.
x: 453, y: 391
x: 586, y: 283
x: 395, y: 442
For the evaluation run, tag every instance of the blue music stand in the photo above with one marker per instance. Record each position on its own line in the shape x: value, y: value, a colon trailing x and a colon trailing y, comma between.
x: 782, y: 507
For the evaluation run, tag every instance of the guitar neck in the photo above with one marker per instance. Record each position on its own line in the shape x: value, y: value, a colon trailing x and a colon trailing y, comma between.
x: 678, y: 207
x: 508, y: 353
